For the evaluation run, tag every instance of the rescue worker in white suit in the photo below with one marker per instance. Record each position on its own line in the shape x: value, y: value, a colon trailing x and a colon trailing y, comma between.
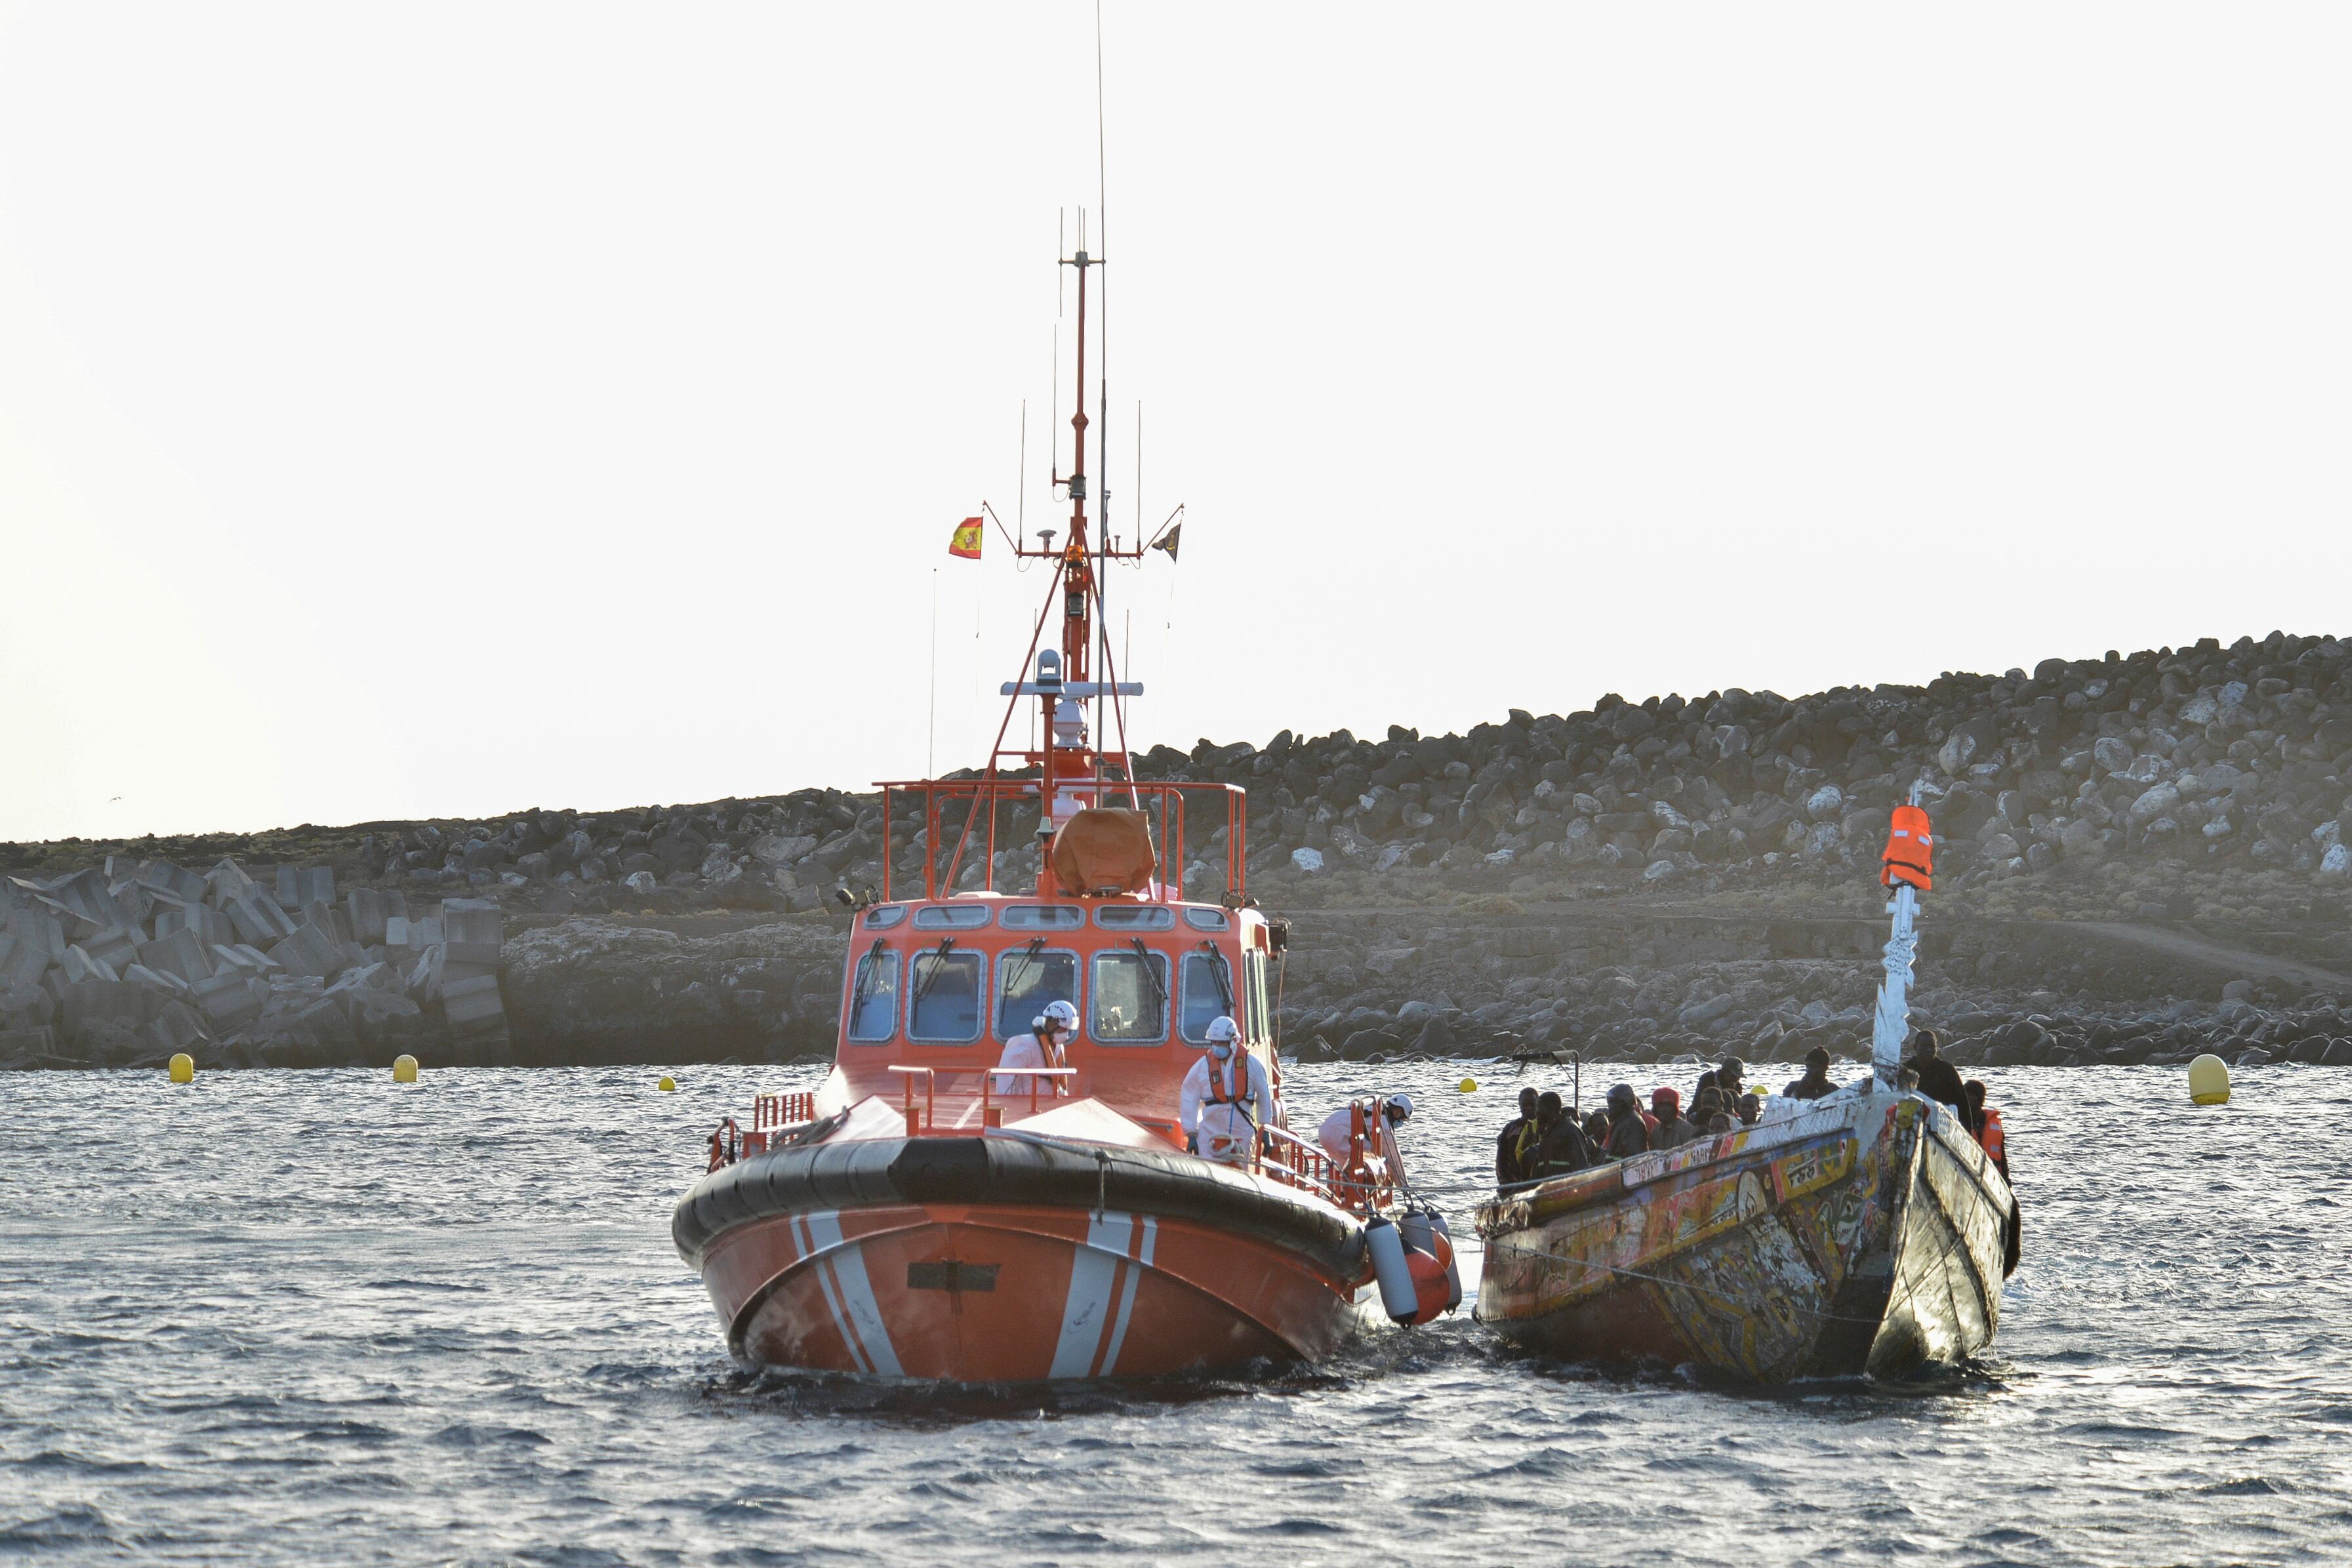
x: 1226, y: 1098
x: 1045, y: 1045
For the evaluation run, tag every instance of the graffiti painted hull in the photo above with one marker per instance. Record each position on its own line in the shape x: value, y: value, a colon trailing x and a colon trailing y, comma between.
x: 984, y: 1261
x: 1865, y: 1234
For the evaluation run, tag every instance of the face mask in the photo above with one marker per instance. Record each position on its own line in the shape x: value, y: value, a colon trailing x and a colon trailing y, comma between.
x: 1222, y: 1050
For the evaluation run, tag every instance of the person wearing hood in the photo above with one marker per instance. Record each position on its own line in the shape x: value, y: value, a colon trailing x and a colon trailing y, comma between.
x: 1564, y: 1147
x: 1815, y: 1083
x: 1938, y: 1078
x: 1673, y: 1129
x: 1628, y: 1132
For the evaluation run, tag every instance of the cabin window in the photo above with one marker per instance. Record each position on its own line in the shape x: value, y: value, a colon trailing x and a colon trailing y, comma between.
x: 1130, y: 998
x: 943, y: 996
x: 952, y: 918
x: 1026, y: 979
x: 1258, y: 1027
x: 1044, y: 917
x: 1136, y: 917
x: 883, y: 916
x: 874, y: 997
x: 1208, y: 992
x: 1206, y: 919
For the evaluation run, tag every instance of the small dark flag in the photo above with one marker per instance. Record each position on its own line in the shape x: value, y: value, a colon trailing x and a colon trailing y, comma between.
x: 1168, y: 541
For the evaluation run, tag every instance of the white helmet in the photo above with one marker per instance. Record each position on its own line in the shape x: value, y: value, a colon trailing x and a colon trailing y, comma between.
x: 1400, y: 1106
x: 1222, y: 1031
x: 1059, y: 1015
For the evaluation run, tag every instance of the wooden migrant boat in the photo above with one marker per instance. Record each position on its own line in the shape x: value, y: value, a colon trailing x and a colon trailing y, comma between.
x: 927, y: 1214
x: 1864, y: 1232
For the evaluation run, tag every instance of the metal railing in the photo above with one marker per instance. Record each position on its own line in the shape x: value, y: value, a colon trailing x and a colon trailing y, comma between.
x: 988, y: 794
x: 923, y: 1120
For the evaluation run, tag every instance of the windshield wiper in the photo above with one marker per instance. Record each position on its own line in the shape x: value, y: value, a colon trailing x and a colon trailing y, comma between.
x: 1159, y: 992
x: 1223, y: 973
x: 939, y: 967
x: 866, y: 974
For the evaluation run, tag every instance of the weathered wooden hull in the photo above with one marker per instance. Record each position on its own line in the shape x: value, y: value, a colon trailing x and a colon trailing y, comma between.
x: 1863, y: 1235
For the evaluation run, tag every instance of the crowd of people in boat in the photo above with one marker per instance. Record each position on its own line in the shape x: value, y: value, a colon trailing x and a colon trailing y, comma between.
x: 1548, y: 1138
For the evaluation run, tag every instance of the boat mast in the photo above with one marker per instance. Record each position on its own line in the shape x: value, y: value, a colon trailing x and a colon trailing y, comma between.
x: 1891, y: 1025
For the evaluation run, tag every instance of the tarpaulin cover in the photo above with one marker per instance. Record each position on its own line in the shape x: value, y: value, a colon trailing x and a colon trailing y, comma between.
x: 1104, y: 851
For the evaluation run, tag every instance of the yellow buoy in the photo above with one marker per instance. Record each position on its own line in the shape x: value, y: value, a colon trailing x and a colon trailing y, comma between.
x: 404, y: 1069
x: 1469, y: 1086
x: 184, y: 1068
x: 668, y: 1085
x: 2209, y: 1081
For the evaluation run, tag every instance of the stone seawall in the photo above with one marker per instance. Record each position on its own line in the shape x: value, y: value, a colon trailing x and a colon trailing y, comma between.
x: 2123, y: 840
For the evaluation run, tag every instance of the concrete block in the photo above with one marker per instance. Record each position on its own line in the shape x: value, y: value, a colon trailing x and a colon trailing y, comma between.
x: 453, y: 971
x: 299, y: 886
x: 79, y: 967
x: 475, y: 928
x: 23, y: 1006
x: 36, y: 1041
x: 135, y: 902
x: 85, y: 893
x: 178, y: 954
x: 181, y: 884
x: 260, y: 921
x: 89, y: 1002
x: 227, y: 882
x: 311, y: 951
x: 37, y: 930
x: 363, y: 907
x: 72, y: 921
x: 175, y: 1027
x: 230, y: 999
x: 423, y: 982
x: 474, y: 1012
x: 115, y: 950
x: 155, y: 980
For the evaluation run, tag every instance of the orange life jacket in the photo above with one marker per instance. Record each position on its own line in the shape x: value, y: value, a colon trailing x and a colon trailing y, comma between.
x: 1995, y: 1142
x: 1238, y: 1064
x: 1910, y: 851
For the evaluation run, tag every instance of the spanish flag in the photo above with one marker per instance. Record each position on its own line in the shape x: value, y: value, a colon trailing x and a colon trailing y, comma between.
x: 966, y: 542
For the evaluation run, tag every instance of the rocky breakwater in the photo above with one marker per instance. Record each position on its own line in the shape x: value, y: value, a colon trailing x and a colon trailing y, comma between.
x: 2195, y: 782
x: 127, y: 964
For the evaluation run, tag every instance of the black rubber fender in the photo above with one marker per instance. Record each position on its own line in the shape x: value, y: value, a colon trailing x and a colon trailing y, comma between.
x: 886, y: 1172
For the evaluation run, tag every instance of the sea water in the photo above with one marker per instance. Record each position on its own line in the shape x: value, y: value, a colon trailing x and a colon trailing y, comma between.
x: 314, y: 1317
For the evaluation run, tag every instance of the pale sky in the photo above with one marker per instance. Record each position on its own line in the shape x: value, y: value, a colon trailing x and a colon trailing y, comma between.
x: 418, y: 410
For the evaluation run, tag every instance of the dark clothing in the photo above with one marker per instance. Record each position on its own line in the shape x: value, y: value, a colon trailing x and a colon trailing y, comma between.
x: 1939, y: 1080
x: 1564, y: 1150
x: 1673, y: 1134
x: 1628, y: 1135
x: 1809, y: 1087
x: 1512, y: 1163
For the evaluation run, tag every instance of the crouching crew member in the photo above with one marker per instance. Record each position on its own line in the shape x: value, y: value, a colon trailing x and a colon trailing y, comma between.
x: 1226, y: 1098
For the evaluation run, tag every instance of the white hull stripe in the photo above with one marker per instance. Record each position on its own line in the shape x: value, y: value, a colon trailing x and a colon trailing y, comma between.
x: 1103, y: 1277
x: 1134, y: 1271
x: 869, y: 1334
x: 825, y: 1283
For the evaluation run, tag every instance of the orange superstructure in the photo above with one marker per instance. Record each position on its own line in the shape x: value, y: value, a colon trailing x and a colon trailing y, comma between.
x: 957, y: 1201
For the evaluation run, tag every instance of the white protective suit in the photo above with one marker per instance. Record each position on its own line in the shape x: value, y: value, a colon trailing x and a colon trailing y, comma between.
x: 1226, y: 1132
x: 1026, y: 1051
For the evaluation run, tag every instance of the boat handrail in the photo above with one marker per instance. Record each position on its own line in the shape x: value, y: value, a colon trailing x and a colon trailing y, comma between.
x: 783, y: 1110
x: 1297, y: 1163
x: 924, y: 1118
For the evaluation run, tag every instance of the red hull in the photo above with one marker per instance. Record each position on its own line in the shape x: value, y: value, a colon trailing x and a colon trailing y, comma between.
x: 1001, y: 1293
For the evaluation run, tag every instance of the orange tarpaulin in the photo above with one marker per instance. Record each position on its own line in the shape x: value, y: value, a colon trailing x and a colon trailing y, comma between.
x: 1103, y: 851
